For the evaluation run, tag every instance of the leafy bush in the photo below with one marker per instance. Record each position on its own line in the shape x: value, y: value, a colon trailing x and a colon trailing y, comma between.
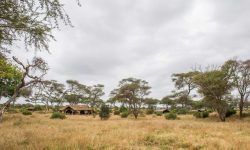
x: 123, y: 109
x: 158, y: 113
x: 149, y: 111
x: 104, y: 112
x: 57, y: 115
x: 26, y: 112
x: 230, y: 112
x: 124, y: 114
x: 116, y: 112
x: 171, y: 116
x: 182, y: 111
x: 203, y: 114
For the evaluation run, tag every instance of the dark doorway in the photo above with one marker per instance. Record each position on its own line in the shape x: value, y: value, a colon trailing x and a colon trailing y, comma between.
x: 82, y: 112
x: 70, y: 112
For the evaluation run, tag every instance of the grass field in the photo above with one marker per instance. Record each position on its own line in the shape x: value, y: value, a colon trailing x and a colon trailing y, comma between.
x: 39, y: 132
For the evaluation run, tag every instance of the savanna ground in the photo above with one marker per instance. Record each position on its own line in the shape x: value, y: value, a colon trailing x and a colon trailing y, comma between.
x: 39, y: 132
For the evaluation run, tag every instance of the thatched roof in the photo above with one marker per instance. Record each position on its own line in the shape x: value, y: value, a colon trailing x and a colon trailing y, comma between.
x: 77, y: 107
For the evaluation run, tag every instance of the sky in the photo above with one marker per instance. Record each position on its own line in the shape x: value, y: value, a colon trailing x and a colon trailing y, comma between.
x: 145, y: 39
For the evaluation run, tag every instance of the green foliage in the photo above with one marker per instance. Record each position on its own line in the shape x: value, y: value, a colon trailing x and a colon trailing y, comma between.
x: 171, y: 116
x: 132, y: 92
x: 124, y: 114
x: 214, y: 85
x: 182, y: 111
x: 10, y: 76
x: 151, y: 102
x: 149, y: 111
x: 202, y: 114
x: 104, y: 112
x: 26, y: 112
x: 20, y: 20
x: 123, y: 109
x: 158, y: 113
x: 57, y: 115
x: 116, y: 112
x: 230, y: 112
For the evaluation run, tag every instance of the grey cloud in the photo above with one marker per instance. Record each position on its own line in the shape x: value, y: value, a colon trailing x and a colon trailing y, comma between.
x: 114, y: 39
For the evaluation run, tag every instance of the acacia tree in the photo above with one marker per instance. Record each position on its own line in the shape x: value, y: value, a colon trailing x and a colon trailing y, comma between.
x: 214, y: 86
x: 31, y: 21
x: 48, y: 91
x: 133, y: 91
x: 240, y: 73
x: 184, y: 84
x: 29, y: 78
x: 94, y: 93
x: 167, y: 101
x: 76, y: 92
x: 151, y: 102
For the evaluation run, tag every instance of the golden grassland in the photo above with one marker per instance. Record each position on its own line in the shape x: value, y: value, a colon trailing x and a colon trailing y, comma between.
x: 39, y: 132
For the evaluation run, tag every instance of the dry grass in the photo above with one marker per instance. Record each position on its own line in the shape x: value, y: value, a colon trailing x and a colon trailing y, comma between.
x: 84, y: 132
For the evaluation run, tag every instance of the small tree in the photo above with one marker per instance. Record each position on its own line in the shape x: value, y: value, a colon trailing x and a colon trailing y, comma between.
x: 240, y: 73
x: 214, y: 85
x: 104, y: 112
x: 132, y: 92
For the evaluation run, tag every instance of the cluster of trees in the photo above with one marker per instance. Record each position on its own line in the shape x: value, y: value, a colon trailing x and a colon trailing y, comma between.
x: 221, y: 88
x: 52, y: 93
x: 217, y: 88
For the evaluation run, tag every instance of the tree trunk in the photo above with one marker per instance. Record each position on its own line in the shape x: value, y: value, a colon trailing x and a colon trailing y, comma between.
x: 241, y: 105
x: 6, y: 105
x: 222, y: 114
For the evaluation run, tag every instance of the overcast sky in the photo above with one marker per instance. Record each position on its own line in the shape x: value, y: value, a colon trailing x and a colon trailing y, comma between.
x: 147, y: 39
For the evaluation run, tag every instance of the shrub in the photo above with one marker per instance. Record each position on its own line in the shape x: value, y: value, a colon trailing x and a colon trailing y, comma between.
x: 116, y: 112
x: 230, y: 112
x: 158, y: 113
x: 171, y: 116
x: 57, y: 115
x: 203, y: 114
x: 149, y: 111
x: 124, y: 114
x: 123, y: 109
x: 26, y: 112
x: 104, y: 112
x: 182, y: 111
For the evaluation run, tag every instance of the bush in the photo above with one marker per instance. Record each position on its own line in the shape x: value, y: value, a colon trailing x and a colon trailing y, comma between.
x: 124, y: 114
x: 158, y: 113
x: 116, y: 112
x: 104, y: 112
x: 149, y: 111
x: 171, y: 116
x: 203, y: 114
x: 230, y: 112
x: 123, y: 109
x: 182, y: 111
x: 57, y: 115
x: 26, y: 112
